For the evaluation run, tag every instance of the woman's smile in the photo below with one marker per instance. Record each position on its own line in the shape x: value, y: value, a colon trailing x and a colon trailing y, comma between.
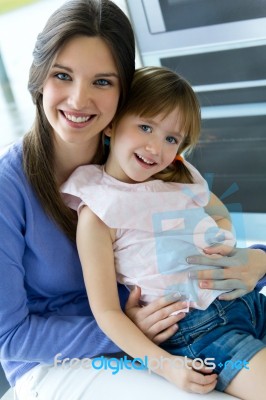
x: 81, y: 93
x: 77, y: 120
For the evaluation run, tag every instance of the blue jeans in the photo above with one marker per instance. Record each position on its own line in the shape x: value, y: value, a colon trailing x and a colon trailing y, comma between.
x: 230, y: 332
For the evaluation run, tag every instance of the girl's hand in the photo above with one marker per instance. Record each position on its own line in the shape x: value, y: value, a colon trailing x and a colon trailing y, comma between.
x: 240, y: 270
x: 189, y: 375
x: 155, y: 319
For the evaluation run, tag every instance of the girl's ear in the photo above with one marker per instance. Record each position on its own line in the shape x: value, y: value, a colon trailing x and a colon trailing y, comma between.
x: 108, y: 130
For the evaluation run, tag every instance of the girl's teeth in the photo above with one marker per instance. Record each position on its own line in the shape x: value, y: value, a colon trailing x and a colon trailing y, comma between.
x: 76, y: 119
x: 146, y: 161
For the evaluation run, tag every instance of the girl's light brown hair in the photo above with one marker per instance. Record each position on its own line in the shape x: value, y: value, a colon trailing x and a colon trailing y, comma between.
x: 92, y: 18
x: 158, y: 90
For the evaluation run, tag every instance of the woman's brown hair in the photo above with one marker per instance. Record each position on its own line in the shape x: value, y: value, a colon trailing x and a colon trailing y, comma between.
x: 159, y: 90
x: 93, y: 18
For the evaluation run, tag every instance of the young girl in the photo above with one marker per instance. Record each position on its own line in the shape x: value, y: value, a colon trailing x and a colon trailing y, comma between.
x: 140, y: 215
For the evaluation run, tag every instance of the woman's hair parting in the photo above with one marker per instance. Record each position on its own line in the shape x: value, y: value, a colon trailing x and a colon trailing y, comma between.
x: 92, y: 18
x: 158, y: 90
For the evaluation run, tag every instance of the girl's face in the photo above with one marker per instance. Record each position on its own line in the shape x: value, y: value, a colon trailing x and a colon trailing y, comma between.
x: 142, y: 147
x: 81, y: 93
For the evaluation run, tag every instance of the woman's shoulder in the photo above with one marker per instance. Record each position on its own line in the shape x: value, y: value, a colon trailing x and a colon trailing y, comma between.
x: 11, y: 165
x: 15, y: 189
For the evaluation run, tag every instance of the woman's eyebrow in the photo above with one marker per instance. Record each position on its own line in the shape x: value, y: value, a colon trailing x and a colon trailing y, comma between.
x: 62, y: 67
x: 107, y: 74
x: 101, y: 74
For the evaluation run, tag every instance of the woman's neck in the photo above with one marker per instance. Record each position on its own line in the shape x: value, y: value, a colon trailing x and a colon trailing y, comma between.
x: 70, y: 156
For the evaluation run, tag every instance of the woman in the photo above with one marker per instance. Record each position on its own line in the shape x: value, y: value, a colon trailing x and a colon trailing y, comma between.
x: 82, y: 69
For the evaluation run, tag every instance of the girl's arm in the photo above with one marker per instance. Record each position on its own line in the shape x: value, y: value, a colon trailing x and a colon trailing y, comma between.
x: 217, y: 210
x: 94, y: 241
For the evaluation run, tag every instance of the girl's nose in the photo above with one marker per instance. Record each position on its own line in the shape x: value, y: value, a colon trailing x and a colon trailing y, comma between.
x: 154, y: 146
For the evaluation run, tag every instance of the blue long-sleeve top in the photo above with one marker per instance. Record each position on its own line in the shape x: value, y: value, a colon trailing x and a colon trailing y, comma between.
x: 43, y: 303
x: 262, y: 282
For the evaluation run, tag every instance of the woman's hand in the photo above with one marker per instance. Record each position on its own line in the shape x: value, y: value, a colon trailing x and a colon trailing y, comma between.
x: 240, y: 270
x: 155, y: 319
x: 191, y: 376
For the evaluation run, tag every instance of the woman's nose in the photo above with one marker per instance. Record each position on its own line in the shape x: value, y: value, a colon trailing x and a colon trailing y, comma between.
x: 80, y: 97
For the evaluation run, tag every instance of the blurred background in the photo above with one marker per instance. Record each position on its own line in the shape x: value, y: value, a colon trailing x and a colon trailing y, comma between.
x: 20, y: 22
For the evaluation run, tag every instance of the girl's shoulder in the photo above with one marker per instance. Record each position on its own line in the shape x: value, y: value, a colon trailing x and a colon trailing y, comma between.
x: 81, y: 179
x: 197, y: 177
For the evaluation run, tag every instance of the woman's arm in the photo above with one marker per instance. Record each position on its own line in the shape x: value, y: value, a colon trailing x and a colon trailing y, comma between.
x: 241, y: 270
x: 41, y: 283
x: 95, y: 248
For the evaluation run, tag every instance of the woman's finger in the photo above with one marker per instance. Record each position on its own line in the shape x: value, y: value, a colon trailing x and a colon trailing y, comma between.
x: 162, y: 336
x: 160, y: 327
x: 226, y: 284
x: 219, y: 273
x: 160, y: 321
x: 234, y: 294
x: 211, y: 261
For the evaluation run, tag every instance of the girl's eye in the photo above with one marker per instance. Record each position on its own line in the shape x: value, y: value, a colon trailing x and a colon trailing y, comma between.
x: 103, y: 82
x: 146, y: 128
x: 62, y: 76
x: 171, y: 140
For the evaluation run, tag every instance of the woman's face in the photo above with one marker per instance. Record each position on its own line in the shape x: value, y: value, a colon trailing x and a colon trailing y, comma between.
x: 81, y: 93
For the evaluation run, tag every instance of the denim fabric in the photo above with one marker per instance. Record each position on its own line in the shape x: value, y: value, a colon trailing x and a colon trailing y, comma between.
x: 227, y: 330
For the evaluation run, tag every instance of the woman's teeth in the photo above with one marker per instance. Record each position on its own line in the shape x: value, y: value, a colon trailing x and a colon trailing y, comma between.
x: 76, y: 119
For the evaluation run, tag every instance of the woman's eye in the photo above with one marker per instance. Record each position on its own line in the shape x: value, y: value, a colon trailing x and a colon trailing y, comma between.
x: 63, y: 77
x: 103, y: 82
x: 171, y: 140
x: 146, y: 128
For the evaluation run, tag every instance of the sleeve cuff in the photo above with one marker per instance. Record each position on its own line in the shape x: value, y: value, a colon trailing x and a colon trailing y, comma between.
x: 262, y: 281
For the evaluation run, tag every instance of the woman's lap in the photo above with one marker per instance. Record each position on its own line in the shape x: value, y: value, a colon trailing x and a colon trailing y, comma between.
x: 57, y: 383
x: 76, y: 382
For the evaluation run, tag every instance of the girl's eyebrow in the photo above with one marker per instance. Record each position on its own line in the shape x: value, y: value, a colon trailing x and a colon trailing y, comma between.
x: 106, y: 74
x: 152, y: 122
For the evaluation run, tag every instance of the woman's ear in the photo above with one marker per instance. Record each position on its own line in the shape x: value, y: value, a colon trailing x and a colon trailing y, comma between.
x: 108, y: 130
